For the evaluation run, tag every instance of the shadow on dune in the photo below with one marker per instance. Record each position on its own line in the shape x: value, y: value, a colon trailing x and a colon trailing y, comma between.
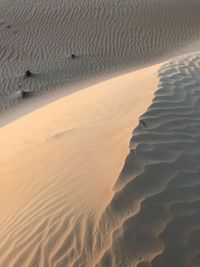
x: 154, y: 216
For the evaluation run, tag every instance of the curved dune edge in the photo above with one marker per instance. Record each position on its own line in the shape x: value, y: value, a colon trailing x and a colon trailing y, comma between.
x: 58, y: 167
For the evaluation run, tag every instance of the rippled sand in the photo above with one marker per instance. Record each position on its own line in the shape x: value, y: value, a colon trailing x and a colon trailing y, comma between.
x: 74, y: 190
x: 157, y: 195
x: 105, y: 35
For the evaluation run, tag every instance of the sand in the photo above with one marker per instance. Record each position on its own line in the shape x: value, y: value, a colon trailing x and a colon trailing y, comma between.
x: 103, y: 175
x: 106, y: 35
x: 65, y: 160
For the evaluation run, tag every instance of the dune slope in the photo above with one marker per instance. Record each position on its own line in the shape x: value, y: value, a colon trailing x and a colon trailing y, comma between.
x: 58, y: 166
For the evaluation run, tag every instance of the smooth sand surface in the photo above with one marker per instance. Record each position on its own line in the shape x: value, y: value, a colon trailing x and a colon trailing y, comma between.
x: 106, y: 35
x: 58, y: 167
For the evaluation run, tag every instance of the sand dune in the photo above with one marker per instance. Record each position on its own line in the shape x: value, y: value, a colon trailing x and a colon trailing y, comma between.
x: 41, y: 35
x: 58, y: 166
x: 61, y: 204
x: 72, y: 192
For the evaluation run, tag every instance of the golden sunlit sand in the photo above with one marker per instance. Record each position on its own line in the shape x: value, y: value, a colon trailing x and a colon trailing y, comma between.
x: 80, y: 140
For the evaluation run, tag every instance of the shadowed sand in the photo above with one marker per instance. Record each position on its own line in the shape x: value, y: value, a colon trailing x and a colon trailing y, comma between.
x: 106, y: 35
x: 155, y: 212
x: 58, y: 167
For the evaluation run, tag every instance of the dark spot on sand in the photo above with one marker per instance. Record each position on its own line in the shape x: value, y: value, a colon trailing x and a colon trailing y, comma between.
x: 143, y: 124
x: 28, y: 73
x: 25, y: 94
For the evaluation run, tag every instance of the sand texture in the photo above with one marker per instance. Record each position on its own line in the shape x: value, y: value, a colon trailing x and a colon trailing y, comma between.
x: 86, y: 180
x: 105, y: 35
